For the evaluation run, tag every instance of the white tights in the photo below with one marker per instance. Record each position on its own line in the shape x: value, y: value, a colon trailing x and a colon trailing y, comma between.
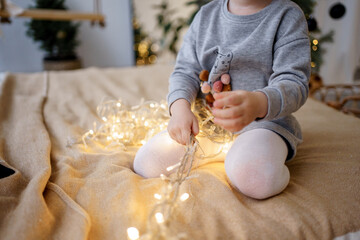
x: 254, y: 164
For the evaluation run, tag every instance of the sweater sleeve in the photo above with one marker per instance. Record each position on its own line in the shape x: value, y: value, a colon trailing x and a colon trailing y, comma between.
x: 184, y: 81
x: 287, y: 88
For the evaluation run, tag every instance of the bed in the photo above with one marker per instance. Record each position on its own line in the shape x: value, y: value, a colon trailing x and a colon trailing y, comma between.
x: 51, y: 191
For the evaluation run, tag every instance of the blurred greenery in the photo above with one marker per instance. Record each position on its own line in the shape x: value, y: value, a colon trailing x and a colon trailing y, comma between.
x: 56, y: 38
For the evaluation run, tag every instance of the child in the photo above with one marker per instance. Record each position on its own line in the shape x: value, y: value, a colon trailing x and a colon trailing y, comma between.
x: 263, y: 45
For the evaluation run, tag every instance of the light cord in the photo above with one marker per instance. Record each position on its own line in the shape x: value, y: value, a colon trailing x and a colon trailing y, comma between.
x: 122, y: 127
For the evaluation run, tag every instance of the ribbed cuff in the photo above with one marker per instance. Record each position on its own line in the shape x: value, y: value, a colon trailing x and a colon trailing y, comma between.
x: 274, y: 103
x: 178, y: 94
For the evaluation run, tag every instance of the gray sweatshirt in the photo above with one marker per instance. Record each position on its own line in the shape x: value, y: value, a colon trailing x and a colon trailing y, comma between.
x: 268, y: 51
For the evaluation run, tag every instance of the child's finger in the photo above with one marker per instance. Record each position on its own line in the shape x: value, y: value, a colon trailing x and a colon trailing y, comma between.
x: 232, y: 99
x: 175, y: 136
x: 195, y: 127
x: 185, y: 137
x: 233, y: 125
x: 178, y: 139
x: 228, y: 113
x: 221, y: 95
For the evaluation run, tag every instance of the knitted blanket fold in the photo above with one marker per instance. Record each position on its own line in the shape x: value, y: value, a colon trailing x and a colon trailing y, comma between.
x: 51, y: 191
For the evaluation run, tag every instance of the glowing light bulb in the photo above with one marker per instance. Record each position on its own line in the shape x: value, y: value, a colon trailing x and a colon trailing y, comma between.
x: 184, y: 197
x: 91, y: 132
x: 226, y: 147
x: 143, y: 142
x: 133, y: 233
x: 159, y: 217
x: 173, y: 167
x: 146, y: 123
x: 315, y: 42
x: 152, y: 105
x: 118, y: 104
x: 157, y: 196
x: 104, y: 119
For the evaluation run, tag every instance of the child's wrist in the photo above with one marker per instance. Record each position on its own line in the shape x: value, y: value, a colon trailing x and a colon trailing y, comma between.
x: 262, y: 103
x: 180, y: 105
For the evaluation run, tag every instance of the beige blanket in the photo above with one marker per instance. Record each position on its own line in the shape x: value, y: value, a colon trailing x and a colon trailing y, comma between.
x: 76, y: 193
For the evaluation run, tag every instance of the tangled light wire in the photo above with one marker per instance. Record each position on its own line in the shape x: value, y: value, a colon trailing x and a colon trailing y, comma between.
x: 123, y: 126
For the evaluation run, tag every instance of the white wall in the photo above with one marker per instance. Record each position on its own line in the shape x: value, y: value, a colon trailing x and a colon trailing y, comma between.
x: 111, y: 46
x: 342, y: 56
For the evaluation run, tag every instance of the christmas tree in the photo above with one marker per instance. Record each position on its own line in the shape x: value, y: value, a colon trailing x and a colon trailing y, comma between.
x: 56, y: 38
x: 171, y: 28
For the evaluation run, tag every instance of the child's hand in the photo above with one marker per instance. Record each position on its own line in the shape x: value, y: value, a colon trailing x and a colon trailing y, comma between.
x: 236, y: 109
x: 182, y: 122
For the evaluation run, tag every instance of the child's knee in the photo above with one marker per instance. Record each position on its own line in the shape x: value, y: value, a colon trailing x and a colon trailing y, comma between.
x: 154, y: 157
x: 145, y: 167
x: 257, y: 180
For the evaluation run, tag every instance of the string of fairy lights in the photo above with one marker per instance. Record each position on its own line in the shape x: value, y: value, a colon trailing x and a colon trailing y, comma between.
x: 314, y: 47
x: 122, y: 126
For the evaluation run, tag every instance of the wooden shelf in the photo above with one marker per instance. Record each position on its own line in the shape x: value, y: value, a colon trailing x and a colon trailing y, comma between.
x: 59, y: 15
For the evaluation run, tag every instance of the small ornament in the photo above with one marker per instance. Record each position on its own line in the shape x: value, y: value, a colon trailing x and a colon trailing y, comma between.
x: 225, y: 79
x: 209, y: 99
x: 205, y: 87
x: 227, y: 88
x: 312, y: 24
x: 220, y: 85
x: 217, y: 86
x: 204, y: 75
x: 337, y: 10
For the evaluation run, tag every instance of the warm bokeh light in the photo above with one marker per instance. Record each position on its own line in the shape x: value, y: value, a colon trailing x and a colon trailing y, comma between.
x: 133, y: 233
x: 157, y: 196
x: 159, y: 217
x: 184, y: 197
